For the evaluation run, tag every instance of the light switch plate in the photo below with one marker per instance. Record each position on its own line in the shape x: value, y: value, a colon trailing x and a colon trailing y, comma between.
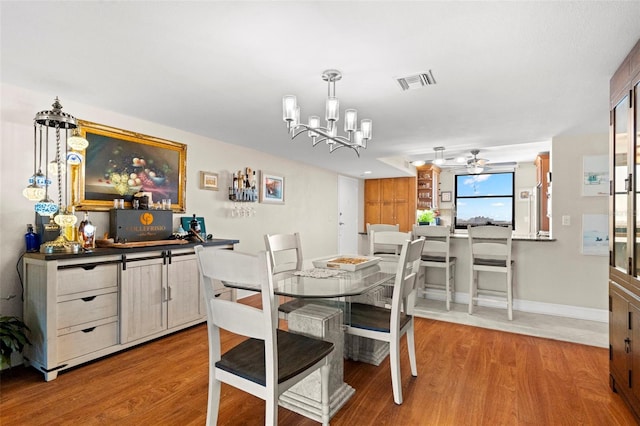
x: 566, y: 220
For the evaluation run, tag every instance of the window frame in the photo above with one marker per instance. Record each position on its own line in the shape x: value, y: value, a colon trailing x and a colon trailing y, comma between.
x: 512, y: 196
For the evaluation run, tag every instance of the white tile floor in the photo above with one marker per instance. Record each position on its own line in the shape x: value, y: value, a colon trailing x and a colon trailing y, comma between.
x: 552, y: 327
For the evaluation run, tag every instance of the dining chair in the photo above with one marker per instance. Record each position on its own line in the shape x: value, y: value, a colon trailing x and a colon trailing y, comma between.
x: 377, y: 227
x: 389, y: 325
x: 437, y: 254
x: 271, y: 360
x: 285, y: 252
x: 490, y: 251
x: 388, y: 239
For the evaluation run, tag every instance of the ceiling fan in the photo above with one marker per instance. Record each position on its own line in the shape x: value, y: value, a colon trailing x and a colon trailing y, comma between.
x: 471, y: 164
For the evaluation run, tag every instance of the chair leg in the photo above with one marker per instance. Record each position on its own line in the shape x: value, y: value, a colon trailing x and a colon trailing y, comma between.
x: 271, y: 408
x: 447, y: 287
x: 510, y: 294
x: 472, y: 285
x: 411, y: 347
x: 324, y: 384
x: 394, y: 361
x: 213, y: 404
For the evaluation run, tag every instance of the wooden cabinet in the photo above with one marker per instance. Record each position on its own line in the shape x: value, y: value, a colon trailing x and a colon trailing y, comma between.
x: 82, y: 307
x: 624, y: 232
x: 390, y: 201
x: 428, y: 190
x: 542, y: 181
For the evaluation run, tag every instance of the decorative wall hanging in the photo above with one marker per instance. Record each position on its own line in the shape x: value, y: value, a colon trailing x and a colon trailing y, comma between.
x: 209, y: 180
x: 271, y: 188
x: 120, y: 163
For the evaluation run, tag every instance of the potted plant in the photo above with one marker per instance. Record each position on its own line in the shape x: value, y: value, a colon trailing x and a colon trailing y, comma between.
x: 13, y: 337
x: 425, y: 217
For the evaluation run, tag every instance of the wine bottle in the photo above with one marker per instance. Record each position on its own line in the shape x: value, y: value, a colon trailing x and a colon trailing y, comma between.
x: 195, y: 225
x: 87, y: 233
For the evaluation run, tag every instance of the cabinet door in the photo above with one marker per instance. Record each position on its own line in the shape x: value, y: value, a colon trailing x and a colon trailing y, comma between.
x: 388, y: 190
x: 183, y: 290
x: 634, y: 312
x: 401, y: 189
x: 403, y: 216
x: 388, y: 213
x: 636, y: 145
x: 143, y: 299
x: 618, y: 335
x: 372, y: 211
x: 372, y: 190
x: 621, y: 185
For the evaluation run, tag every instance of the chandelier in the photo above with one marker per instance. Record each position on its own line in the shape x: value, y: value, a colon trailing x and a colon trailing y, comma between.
x: 355, y: 139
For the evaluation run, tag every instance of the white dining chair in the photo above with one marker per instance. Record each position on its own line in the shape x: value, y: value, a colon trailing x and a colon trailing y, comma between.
x: 490, y: 251
x: 437, y: 254
x: 379, y: 227
x: 271, y: 360
x: 389, y: 325
x: 285, y: 252
x: 392, y: 240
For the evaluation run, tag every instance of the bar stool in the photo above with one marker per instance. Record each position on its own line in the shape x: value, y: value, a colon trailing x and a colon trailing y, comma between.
x: 490, y: 251
x: 380, y: 248
x: 437, y: 254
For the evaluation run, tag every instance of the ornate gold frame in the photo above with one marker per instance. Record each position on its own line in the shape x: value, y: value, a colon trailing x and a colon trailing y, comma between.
x: 122, y: 145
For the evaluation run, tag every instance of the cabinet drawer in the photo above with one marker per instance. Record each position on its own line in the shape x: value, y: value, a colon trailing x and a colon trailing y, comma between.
x: 77, y: 278
x: 87, y: 309
x: 89, y: 340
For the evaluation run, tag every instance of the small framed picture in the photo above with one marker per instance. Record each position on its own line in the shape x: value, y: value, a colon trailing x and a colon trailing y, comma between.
x: 271, y: 188
x: 209, y: 180
x: 445, y: 196
x: 524, y: 194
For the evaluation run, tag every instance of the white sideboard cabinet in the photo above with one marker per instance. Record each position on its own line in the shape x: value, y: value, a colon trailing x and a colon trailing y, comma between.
x: 82, y: 307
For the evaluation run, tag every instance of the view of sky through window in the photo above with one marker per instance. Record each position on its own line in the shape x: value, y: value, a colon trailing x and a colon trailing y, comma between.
x: 484, y: 198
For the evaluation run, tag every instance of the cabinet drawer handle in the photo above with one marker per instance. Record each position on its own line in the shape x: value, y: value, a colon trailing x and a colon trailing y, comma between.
x: 88, y: 299
x: 89, y: 267
x: 88, y: 330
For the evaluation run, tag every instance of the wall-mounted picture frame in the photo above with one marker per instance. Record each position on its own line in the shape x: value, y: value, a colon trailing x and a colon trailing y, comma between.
x: 524, y: 194
x: 595, y: 176
x: 271, y: 188
x: 445, y: 196
x: 120, y: 163
x: 209, y: 181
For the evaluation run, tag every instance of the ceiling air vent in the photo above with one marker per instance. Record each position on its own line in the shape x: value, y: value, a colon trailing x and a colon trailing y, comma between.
x: 416, y: 81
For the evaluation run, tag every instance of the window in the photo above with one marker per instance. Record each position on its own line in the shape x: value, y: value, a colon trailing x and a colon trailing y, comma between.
x: 484, y: 199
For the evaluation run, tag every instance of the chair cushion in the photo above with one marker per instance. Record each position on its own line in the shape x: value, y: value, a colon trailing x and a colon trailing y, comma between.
x: 491, y: 262
x: 375, y: 318
x: 429, y: 258
x: 296, y: 353
x: 291, y: 305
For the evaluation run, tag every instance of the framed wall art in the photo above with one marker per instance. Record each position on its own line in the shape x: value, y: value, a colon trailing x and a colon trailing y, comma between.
x: 445, y: 196
x: 595, y: 175
x: 209, y: 180
x: 120, y: 163
x: 271, y: 188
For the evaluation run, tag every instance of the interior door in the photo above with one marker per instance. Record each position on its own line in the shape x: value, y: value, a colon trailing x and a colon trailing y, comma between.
x: 347, y: 215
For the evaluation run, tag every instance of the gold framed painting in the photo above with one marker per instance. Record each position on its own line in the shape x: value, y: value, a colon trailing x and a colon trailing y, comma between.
x: 120, y: 163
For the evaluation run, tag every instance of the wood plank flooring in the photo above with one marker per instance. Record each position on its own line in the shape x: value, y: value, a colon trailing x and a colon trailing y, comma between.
x: 466, y: 376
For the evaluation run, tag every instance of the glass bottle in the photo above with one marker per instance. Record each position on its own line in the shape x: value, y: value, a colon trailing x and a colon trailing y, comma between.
x: 70, y: 231
x: 32, y: 239
x: 87, y: 233
x: 195, y: 225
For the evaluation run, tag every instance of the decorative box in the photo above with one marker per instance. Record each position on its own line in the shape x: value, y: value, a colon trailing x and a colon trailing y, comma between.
x: 140, y: 225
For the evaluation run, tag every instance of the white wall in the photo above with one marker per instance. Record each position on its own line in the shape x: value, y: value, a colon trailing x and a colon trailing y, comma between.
x: 310, y: 193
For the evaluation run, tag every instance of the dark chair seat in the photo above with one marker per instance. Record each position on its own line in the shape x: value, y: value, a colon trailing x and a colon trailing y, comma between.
x: 376, y: 318
x: 441, y: 259
x: 500, y: 263
x: 292, y: 305
x: 296, y: 353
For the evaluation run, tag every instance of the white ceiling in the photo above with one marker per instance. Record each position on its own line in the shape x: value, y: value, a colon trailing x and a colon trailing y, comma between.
x: 510, y: 75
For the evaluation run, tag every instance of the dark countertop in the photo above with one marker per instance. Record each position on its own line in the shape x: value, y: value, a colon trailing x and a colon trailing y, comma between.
x: 116, y: 251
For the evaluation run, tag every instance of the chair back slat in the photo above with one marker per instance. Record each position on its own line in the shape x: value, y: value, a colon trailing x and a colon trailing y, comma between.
x: 231, y: 266
x: 490, y: 241
x: 391, y: 240
x: 406, y: 274
x: 436, y: 239
x: 285, y: 252
x: 381, y: 248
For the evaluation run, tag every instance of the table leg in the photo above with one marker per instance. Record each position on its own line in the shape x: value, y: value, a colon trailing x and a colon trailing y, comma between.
x: 305, y: 397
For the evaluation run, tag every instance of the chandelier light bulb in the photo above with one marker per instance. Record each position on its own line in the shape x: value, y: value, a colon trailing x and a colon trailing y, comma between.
x: 74, y: 158
x: 34, y: 192
x: 77, y: 142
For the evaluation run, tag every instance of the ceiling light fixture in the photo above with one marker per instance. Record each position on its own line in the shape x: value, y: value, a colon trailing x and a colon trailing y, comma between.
x: 419, y: 163
x: 355, y: 139
x: 439, y: 160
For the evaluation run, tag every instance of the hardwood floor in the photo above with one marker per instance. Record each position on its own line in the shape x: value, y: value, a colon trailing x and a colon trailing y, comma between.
x: 466, y: 376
